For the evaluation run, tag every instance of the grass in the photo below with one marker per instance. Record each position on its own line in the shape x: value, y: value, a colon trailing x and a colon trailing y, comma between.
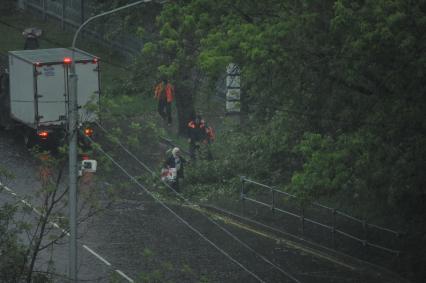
x: 13, y: 22
x: 10, y: 39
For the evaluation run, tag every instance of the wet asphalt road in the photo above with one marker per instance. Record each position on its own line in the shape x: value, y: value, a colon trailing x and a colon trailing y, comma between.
x: 138, y: 239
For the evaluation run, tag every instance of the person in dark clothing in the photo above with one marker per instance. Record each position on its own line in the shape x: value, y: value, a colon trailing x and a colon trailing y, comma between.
x: 31, y: 42
x: 31, y: 36
x: 197, y: 135
x: 176, y: 161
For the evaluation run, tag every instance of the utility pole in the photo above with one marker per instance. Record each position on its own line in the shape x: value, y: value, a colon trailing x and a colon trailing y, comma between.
x: 82, y: 10
x: 72, y: 202
x: 72, y: 140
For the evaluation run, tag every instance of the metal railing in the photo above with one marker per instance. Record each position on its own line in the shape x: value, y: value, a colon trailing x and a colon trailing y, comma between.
x: 333, y: 228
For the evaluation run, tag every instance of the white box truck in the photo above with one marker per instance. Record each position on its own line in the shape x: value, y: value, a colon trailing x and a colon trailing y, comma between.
x: 39, y: 92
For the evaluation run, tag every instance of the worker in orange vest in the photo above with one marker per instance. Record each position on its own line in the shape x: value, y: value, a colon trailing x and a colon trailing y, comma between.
x: 198, y: 138
x: 164, y: 92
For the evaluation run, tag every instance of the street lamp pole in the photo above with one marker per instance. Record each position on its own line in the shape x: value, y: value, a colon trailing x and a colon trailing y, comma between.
x: 72, y: 140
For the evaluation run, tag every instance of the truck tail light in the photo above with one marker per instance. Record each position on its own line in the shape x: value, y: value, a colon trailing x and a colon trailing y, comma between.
x: 88, y: 132
x: 43, y: 134
x: 95, y: 60
x: 67, y: 60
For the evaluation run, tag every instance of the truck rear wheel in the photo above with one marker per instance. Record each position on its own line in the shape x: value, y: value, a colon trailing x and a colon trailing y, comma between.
x: 27, y: 141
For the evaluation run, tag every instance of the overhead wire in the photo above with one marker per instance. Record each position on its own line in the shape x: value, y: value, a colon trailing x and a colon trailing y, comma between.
x: 187, y: 201
x: 126, y: 150
x: 99, y: 148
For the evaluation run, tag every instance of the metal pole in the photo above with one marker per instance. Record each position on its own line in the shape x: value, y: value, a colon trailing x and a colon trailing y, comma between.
x: 333, y: 230
x: 22, y: 4
x: 82, y: 10
x: 364, y: 228
x: 63, y: 15
x: 73, y: 133
x: 242, y: 188
x: 44, y: 10
x: 242, y: 195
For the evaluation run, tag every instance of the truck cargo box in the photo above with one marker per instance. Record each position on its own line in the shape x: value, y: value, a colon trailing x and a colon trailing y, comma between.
x: 39, y: 89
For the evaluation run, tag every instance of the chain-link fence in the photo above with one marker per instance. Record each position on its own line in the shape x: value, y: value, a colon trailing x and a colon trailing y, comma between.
x: 73, y: 13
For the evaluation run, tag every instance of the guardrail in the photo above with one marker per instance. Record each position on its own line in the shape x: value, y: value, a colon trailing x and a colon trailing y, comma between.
x: 333, y: 228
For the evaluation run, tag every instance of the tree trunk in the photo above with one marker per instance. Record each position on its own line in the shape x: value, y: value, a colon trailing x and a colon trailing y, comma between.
x: 184, y: 108
x: 36, y: 249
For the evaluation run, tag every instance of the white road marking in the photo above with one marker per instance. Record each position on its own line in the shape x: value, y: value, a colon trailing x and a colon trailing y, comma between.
x: 121, y: 273
x: 124, y: 275
x: 96, y: 255
x: 6, y: 188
